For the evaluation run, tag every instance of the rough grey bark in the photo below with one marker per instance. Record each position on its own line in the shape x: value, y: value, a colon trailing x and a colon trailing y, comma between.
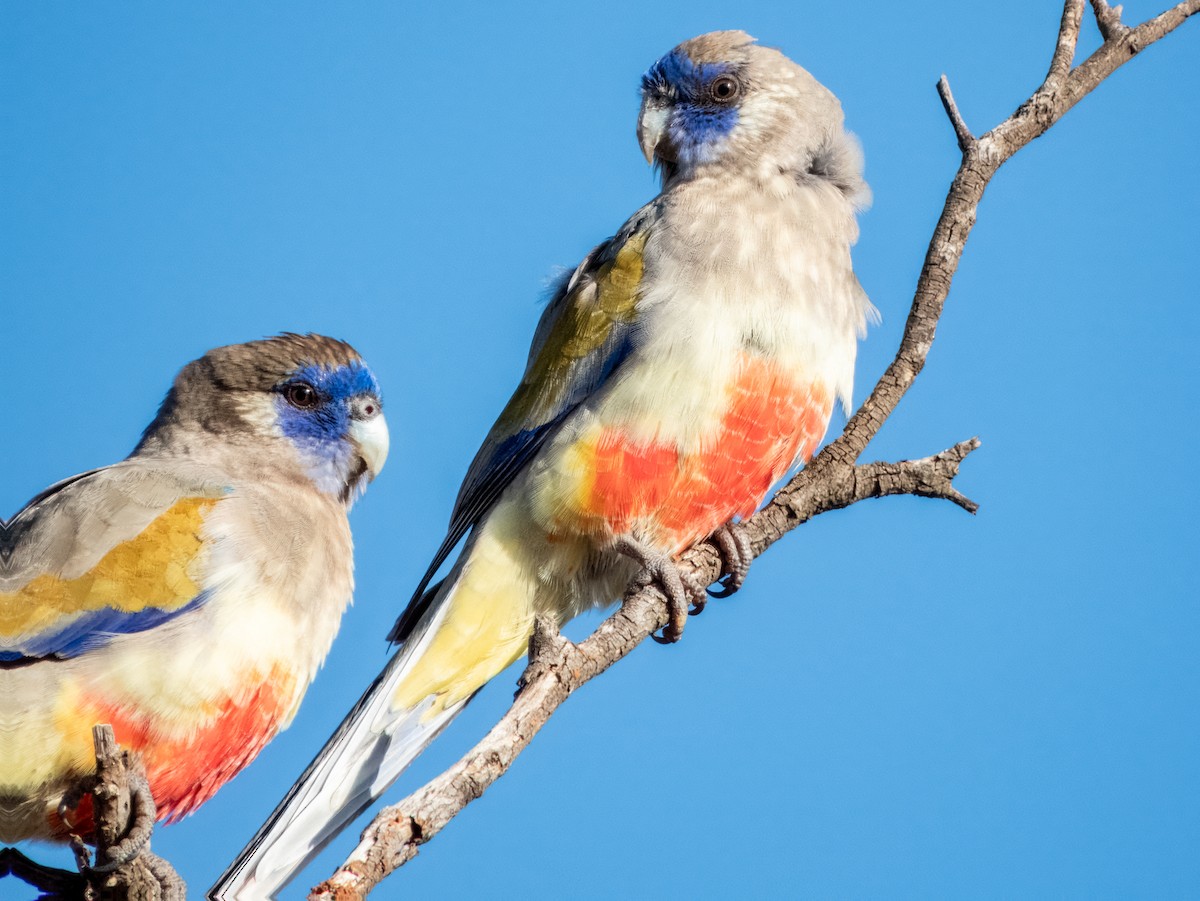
x: 833, y: 480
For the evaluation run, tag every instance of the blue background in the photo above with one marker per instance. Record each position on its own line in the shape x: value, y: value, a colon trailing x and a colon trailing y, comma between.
x: 905, y: 700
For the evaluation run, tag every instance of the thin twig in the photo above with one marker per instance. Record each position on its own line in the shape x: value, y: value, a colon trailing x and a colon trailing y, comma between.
x: 53, y: 883
x: 1108, y: 20
x: 961, y: 131
x: 1068, y: 39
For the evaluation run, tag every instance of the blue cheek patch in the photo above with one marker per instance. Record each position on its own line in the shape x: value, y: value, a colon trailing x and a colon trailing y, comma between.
x: 698, y: 131
x: 320, y: 432
x: 327, y: 422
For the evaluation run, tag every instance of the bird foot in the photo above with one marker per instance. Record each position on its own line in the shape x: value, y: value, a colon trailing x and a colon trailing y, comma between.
x: 119, y: 822
x: 123, y: 856
x: 138, y: 805
x: 734, y: 549
x: 136, y: 838
x: 664, y: 572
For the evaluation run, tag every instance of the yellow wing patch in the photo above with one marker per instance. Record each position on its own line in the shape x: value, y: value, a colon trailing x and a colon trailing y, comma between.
x: 583, y: 328
x: 616, y: 283
x: 156, y: 569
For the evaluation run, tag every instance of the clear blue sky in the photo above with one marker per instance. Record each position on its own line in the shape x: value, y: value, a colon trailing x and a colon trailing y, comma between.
x: 904, y: 701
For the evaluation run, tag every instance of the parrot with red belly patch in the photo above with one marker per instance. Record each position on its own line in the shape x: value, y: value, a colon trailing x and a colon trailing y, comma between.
x: 682, y: 369
x: 188, y: 594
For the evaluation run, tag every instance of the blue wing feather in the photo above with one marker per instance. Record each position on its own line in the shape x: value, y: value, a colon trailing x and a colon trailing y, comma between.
x: 93, y: 630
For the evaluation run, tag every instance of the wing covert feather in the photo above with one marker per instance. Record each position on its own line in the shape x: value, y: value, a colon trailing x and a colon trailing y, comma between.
x: 586, y: 331
x: 111, y: 551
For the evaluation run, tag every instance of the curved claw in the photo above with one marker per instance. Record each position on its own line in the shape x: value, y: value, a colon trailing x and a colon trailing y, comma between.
x: 723, y: 592
x: 735, y: 551
x: 677, y: 615
x: 71, y: 798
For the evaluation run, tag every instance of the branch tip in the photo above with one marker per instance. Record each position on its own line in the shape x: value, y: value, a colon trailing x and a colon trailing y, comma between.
x: 966, y: 140
x: 961, y: 450
x: 951, y: 458
x: 957, y: 497
x: 1108, y: 20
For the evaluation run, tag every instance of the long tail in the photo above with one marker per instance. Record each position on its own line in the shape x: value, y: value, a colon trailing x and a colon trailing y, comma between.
x: 478, y: 624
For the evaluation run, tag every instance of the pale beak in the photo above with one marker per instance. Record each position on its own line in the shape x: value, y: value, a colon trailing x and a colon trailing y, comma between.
x: 369, y: 432
x: 652, y: 124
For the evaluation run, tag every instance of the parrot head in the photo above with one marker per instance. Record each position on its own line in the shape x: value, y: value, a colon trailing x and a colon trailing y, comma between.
x: 292, y: 402
x: 721, y: 101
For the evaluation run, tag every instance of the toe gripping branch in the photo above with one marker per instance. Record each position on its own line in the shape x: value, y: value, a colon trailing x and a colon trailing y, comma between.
x: 123, y: 815
x: 685, y: 597
x: 736, y: 554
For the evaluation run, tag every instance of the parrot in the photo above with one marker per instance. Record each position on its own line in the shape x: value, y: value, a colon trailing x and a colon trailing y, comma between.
x: 676, y: 374
x: 188, y: 594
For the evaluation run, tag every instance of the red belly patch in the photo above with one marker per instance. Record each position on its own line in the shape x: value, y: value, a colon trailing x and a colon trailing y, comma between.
x: 771, y: 420
x: 184, y: 773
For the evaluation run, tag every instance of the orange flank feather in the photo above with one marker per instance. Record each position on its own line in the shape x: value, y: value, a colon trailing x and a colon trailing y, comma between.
x: 772, y: 421
x: 186, y: 772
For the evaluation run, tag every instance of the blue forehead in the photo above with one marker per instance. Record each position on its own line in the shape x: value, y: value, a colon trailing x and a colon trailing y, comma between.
x: 677, y: 70
x: 339, y: 382
x: 697, y: 129
x: 319, y: 433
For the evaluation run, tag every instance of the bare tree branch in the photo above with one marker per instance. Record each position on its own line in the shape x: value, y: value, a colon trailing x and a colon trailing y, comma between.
x: 832, y: 480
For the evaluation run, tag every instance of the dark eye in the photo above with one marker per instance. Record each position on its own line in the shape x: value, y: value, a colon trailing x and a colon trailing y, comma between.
x: 301, y: 395
x: 724, y: 89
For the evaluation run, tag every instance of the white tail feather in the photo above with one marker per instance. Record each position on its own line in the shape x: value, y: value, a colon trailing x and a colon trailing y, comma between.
x: 367, y: 753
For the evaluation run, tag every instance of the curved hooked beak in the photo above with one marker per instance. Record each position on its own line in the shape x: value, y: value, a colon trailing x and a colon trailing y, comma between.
x: 652, y: 126
x: 369, y: 432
